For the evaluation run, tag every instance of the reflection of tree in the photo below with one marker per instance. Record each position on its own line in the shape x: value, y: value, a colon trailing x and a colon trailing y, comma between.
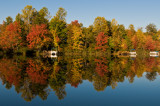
x: 60, y: 92
x: 57, y: 79
x: 151, y: 75
x: 26, y: 91
x: 130, y: 76
x: 119, y: 68
x: 41, y: 90
x: 130, y: 73
x: 75, y: 73
x: 36, y: 72
x: 32, y: 77
x: 150, y: 63
x: 101, y: 80
x: 138, y: 67
x: 100, y: 83
x: 30, y: 91
x: 29, y: 77
x: 10, y: 72
x: 101, y: 66
x: 36, y: 80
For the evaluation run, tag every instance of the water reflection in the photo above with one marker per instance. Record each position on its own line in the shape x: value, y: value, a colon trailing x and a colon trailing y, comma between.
x: 34, y: 77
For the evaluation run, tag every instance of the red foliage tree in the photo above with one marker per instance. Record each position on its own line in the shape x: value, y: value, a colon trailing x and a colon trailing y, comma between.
x: 11, y: 37
x: 76, y: 23
x: 102, y: 41
x: 37, y: 36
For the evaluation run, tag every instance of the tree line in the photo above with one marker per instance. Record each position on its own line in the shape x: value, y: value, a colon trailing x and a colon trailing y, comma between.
x: 36, y: 30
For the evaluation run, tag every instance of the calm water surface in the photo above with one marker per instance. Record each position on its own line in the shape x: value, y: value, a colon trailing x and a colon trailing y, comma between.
x: 78, y: 81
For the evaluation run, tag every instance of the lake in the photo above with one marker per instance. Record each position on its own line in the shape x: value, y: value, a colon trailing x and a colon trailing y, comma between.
x: 79, y: 81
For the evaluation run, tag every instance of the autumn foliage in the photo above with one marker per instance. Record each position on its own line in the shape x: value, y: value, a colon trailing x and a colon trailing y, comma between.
x: 37, y: 36
x: 10, y: 71
x: 34, y: 30
x: 135, y: 41
x: 36, y: 72
x: 101, y: 42
x: 101, y: 66
x: 150, y: 43
x: 11, y: 38
x: 76, y: 36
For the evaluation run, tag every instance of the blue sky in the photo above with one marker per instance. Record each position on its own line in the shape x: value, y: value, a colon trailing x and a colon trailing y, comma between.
x: 137, y: 12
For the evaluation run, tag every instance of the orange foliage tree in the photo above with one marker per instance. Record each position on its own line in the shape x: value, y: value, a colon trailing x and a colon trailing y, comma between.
x: 11, y: 37
x: 135, y: 41
x: 150, y: 43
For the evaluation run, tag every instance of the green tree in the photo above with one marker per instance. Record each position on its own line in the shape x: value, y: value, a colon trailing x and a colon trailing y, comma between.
x: 118, y: 34
x: 8, y: 20
x: 100, y: 25
x: 61, y: 14
x: 27, y: 14
x: 41, y: 17
x: 89, y: 38
x: 58, y: 28
x: 24, y: 28
x: 151, y: 28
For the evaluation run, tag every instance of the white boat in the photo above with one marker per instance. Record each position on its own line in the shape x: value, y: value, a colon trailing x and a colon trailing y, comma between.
x: 133, y: 54
x: 154, y: 53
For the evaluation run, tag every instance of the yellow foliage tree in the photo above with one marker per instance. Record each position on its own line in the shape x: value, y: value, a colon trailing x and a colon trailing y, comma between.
x: 77, y: 38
